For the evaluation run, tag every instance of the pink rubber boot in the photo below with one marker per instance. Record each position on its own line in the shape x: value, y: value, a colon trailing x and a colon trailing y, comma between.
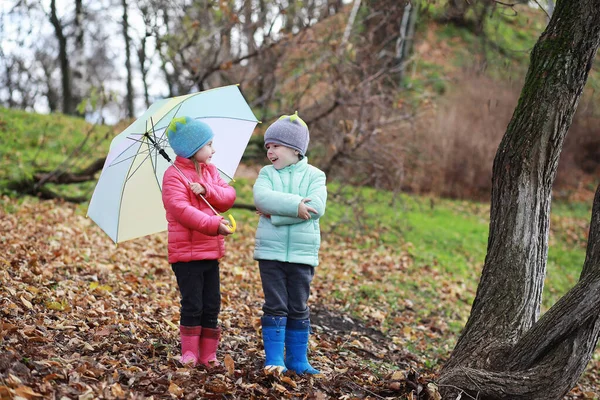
x: 209, y: 341
x: 190, y: 343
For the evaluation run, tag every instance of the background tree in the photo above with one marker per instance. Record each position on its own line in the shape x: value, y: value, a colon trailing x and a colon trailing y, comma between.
x: 505, y: 352
x: 143, y: 59
x: 63, y: 57
x: 127, y: 41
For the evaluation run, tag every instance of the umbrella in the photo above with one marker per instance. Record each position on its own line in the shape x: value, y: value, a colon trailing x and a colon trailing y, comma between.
x: 127, y: 200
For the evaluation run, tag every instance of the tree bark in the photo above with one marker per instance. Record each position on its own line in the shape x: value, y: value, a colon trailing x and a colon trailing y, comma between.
x: 77, y: 64
x: 502, y: 352
x: 63, y: 58
x: 127, y: 40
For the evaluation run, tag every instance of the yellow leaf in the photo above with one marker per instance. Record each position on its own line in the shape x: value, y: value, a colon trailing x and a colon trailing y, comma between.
x: 94, y: 285
x: 397, y: 376
x: 172, y: 325
x: 54, y: 305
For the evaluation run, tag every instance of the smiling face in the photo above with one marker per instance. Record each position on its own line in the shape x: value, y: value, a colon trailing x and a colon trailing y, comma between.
x: 281, y: 156
x: 204, y: 155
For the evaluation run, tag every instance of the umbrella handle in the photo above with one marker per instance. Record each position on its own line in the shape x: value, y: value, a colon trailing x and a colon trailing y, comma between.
x: 232, y: 222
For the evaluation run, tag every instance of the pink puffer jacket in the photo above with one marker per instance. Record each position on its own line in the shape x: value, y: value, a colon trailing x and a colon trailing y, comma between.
x: 193, y: 226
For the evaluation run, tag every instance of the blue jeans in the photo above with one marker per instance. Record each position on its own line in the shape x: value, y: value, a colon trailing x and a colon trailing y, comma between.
x: 286, y: 287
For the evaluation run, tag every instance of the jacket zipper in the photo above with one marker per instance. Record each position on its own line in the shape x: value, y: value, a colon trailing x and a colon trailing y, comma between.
x: 287, y: 249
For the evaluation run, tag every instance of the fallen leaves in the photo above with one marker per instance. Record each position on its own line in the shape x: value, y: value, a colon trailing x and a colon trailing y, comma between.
x: 83, y: 318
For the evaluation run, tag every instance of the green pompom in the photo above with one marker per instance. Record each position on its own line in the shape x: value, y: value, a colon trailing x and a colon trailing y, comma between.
x: 173, y: 125
x: 294, y: 117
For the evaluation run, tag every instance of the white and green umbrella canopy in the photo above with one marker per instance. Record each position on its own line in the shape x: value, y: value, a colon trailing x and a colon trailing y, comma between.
x: 127, y: 200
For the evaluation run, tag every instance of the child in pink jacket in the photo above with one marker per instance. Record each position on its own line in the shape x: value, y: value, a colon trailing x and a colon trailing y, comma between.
x: 196, y: 234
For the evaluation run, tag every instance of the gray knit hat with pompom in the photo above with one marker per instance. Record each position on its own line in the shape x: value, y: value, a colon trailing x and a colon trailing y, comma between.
x: 290, y: 131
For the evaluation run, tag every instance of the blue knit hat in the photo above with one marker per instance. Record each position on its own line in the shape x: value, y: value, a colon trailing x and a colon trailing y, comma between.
x: 290, y: 131
x: 187, y: 136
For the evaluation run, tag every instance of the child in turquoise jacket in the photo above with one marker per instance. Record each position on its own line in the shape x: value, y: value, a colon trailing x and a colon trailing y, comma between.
x: 290, y: 197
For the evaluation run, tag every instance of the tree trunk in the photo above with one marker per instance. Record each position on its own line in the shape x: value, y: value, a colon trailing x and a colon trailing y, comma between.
x: 142, y: 58
x: 504, y: 352
x: 249, y: 29
x: 127, y: 40
x: 78, y: 72
x: 64, y: 60
x: 405, y: 41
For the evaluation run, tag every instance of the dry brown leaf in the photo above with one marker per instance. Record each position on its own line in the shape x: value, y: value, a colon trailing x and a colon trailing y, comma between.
x: 26, y: 392
x: 289, y: 381
x: 13, y: 381
x: 105, y: 331
x: 26, y: 303
x: 175, y: 390
x: 279, y: 387
x: 95, y: 341
x: 320, y: 396
x: 432, y: 391
x: 117, y: 391
x: 229, y: 364
x: 5, y: 392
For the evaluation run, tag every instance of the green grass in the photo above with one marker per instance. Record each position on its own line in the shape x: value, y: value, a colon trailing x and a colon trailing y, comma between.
x: 35, y: 142
x: 451, y: 236
x: 447, y: 242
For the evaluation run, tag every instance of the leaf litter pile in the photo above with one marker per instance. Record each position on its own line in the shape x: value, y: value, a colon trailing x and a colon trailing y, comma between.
x: 83, y: 318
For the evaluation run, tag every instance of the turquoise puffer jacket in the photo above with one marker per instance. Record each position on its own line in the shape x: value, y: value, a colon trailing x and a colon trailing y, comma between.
x: 278, y: 193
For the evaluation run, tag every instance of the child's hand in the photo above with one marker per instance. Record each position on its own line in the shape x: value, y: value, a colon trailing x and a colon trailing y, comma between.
x: 262, y: 214
x: 304, y: 210
x: 225, y: 228
x: 197, y: 188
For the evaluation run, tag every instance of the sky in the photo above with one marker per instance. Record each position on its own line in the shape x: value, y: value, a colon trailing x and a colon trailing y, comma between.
x: 20, y: 25
x: 31, y: 29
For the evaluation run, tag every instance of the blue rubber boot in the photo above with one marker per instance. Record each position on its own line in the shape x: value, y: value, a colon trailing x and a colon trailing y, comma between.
x: 273, y: 332
x: 296, y: 347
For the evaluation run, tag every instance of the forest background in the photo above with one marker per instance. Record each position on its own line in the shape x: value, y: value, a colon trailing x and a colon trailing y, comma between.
x: 401, y: 99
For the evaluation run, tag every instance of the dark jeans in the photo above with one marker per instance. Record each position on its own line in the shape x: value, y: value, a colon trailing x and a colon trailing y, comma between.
x: 286, y: 287
x: 200, y: 290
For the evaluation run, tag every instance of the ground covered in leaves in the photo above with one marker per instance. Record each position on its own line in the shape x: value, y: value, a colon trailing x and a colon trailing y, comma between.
x: 83, y: 318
